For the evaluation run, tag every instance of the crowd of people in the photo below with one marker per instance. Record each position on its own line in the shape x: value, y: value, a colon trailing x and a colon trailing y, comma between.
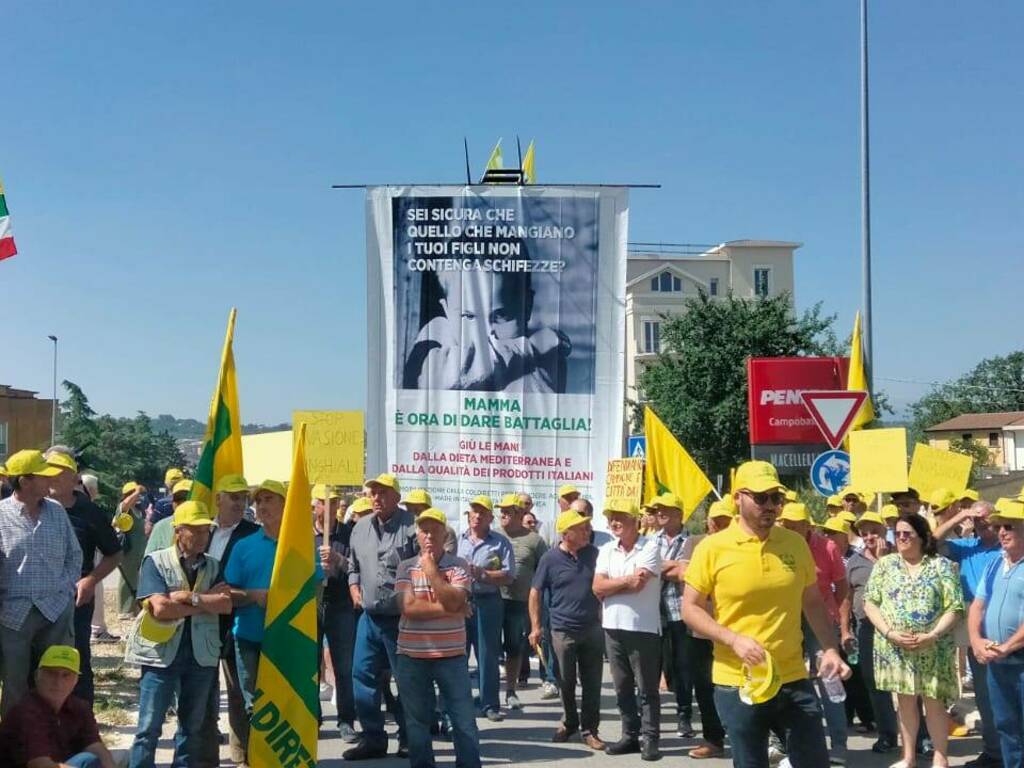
x: 785, y: 631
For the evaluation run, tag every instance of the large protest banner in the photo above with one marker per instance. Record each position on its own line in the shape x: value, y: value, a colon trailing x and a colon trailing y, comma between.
x: 496, y: 334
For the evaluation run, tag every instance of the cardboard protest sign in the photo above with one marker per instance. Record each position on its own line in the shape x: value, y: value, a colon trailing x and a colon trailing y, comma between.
x: 933, y: 468
x: 334, y: 445
x: 624, y: 479
x: 878, y: 460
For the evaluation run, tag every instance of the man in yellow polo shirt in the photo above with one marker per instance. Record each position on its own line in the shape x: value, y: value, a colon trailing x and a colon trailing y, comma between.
x: 761, y: 578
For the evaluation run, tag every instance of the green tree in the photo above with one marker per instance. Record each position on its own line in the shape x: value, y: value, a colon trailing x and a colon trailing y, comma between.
x: 981, y: 455
x: 698, y: 384
x: 995, y: 384
x: 116, y: 449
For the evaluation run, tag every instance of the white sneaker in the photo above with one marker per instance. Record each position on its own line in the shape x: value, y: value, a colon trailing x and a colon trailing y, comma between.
x: 785, y: 763
x: 549, y: 691
x: 326, y: 692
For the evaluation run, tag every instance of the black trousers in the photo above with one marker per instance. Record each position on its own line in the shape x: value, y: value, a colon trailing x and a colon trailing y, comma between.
x: 582, y: 651
x: 634, y: 659
x: 698, y: 655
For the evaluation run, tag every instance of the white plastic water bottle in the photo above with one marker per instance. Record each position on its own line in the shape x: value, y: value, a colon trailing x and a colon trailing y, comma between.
x: 853, y: 655
x: 834, y: 688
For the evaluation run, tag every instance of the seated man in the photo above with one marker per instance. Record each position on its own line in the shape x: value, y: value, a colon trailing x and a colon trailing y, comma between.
x: 50, y: 728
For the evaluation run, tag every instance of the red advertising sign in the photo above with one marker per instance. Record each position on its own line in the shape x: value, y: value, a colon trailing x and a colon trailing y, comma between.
x: 776, y: 411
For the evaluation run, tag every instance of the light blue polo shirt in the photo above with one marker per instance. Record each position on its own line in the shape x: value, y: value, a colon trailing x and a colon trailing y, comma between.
x: 1002, y: 591
x: 973, y: 558
x: 250, y: 567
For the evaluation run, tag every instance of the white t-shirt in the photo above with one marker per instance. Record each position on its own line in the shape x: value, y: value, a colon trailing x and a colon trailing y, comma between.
x: 219, y: 541
x: 637, y: 611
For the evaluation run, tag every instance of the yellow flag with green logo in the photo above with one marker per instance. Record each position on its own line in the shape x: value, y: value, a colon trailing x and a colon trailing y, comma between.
x: 221, y: 453
x: 283, y: 729
x: 670, y: 468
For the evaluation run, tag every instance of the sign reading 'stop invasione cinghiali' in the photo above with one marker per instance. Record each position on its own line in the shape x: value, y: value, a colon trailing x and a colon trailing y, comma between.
x: 496, y: 332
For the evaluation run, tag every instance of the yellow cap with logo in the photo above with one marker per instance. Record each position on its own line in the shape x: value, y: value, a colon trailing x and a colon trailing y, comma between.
x: 361, y: 506
x: 123, y: 522
x: 795, y: 512
x: 482, y: 501
x: 836, y: 525
x: 725, y: 507
x: 418, y: 496
x: 432, y: 513
x: 182, y: 486
x: 761, y: 682
x: 941, y: 498
x: 29, y: 462
x: 1008, y: 509
x: 871, y: 517
x: 667, y: 499
x: 62, y: 461
x: 621, y: 506
x: 129, y: 487
x: 61, y: 657
x: 173, y: 475
x: 510, y: 500
x: 385, y: 480
x: 569, y: 519
x: 757, y: 477
x: 232, y: 484
x: 567, y: 490
x: 275, y: 487
x: 192, y: 513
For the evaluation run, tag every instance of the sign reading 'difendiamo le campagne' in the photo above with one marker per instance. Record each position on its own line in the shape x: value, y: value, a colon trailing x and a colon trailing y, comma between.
x: 495, y: 338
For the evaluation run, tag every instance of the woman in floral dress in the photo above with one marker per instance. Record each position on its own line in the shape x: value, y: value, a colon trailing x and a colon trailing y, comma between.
x: 913, y: 598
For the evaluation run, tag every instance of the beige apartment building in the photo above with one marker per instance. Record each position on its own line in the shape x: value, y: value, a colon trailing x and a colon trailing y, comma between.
x: 660, y: 278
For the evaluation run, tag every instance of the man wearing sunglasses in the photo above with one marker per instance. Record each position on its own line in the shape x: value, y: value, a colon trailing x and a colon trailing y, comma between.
x: 762, y: 580
x: 996, y: 632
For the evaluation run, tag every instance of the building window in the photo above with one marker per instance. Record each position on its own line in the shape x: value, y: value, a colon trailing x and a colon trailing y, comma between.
x: 666, y: 282
x: 993, y: 439
x: 652, y: 337
x: 966, y: 437
x: 713, y: 287
x: 762, y: 281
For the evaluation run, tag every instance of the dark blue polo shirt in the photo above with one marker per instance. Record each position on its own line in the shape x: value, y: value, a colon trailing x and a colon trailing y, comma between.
x: 570, y: 582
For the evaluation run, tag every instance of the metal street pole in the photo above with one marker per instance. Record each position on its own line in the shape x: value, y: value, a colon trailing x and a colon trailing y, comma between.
x: 53, y: 410
x: 865, y: 186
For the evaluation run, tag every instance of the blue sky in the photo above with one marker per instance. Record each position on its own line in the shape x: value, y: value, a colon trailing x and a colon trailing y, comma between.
x: 164, y: 162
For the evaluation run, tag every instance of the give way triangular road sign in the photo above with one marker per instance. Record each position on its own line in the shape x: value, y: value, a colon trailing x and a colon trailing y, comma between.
x: 833, y: 411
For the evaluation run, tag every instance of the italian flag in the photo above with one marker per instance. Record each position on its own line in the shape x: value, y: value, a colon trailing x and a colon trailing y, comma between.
x: 7, y: 248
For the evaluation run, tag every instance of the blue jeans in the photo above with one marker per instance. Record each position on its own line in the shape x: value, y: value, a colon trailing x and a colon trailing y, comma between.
x: 989, y: 735
x: 1006, y: 692
x: 483, y: 635
x: 416, y: 678
x: 83, y: 760
x: 795, y: 710
x: 247, y: 661
x: 157, y: 689
x: 339, y: 627
x: 835, y: 712
x: 376, y: 641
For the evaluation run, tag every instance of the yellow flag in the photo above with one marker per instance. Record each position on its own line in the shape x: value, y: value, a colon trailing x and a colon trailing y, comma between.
x: 495, y: 161
x: 221, y: 453
x: 528, y: 159
x: 670, y: 467
x: 857, y: 378
x: 283, y: 730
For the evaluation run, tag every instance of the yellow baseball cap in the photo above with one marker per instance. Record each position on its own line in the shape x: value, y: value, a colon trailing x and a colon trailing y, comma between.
x: 941, y: 498
x: 192, y: 513
x: 128, y: 487
x: 791, y: 496
x: 482, y: 501
x: 889, y: 512
x: 418, y: 496
x: 667, y: 499
x: 621, y: 506
x: 834, y: 501
x: 1008, y: 509
x: 322, y: 492
x: 871, y: 517
x: 569, y: 519
x: 386, y: 480
x: 795, y: 512
x: 836, y: 525
x: 271, y: 486
x: 509, y: 500
x: 30, y: 462
x: 61, y: 657
x: 361, y: 506
x: 851, y: 491
x: 182, y: 486
x: 432, y: 513
x: 566, y: 490
x: 725, y: 507
x: 969, y: 493
x: 62, y: 461
x: 173, y: 475
x: 232, y: 484
x: 848, y: 517
x: 756, y: 476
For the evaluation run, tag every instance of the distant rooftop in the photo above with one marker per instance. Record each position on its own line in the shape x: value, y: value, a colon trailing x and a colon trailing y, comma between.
x: 8, y: 391
x: 640, y: 250
x: 964, y: 421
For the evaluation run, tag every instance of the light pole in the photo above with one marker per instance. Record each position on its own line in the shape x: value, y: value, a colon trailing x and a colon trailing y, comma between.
x: 53, y: 410
x: 865, y: 189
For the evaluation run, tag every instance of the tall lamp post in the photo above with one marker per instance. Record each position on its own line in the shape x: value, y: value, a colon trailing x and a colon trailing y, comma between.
x: 53, y: 411
x: 865, y: 187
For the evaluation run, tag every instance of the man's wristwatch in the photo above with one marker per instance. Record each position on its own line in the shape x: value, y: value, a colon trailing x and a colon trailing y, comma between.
x: 195, y: 599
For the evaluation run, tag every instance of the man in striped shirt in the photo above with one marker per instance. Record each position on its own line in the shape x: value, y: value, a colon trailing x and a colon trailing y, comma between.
x: 433, y: 590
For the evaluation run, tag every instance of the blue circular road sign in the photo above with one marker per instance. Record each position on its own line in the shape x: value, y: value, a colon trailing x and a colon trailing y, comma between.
x: 830, y: 472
